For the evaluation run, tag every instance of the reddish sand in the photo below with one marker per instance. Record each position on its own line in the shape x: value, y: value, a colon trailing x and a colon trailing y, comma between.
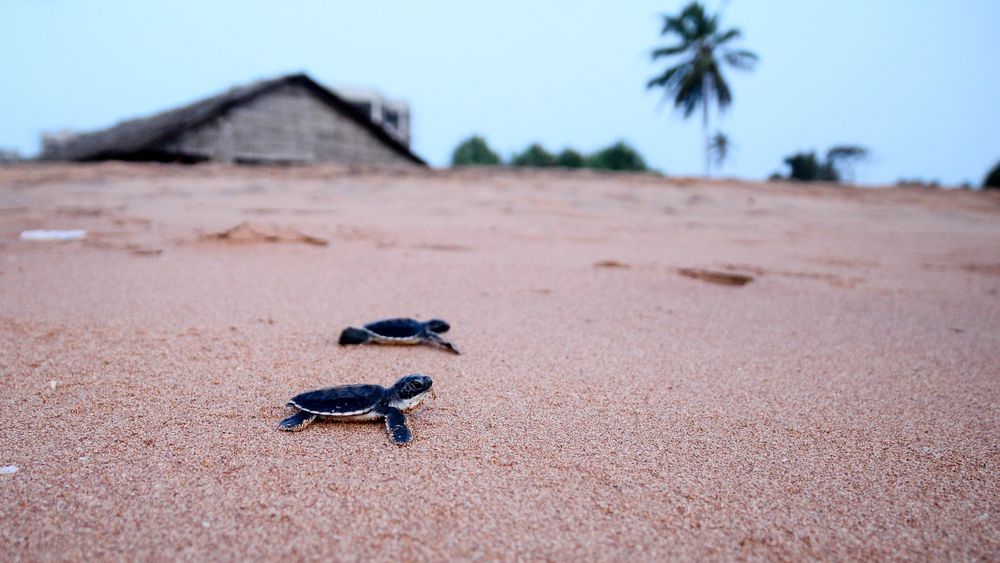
x: 617, y: 397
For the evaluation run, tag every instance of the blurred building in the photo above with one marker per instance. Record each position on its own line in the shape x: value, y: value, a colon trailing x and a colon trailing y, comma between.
x: 9, y: 155
x: 291, y: 119
x: 392, y: 115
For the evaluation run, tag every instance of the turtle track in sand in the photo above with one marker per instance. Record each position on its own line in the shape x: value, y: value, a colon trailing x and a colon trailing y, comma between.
x: 250, y: 233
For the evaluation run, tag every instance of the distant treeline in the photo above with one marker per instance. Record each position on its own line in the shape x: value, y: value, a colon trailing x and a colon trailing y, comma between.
x: 474, y: 151
x: 840, y: 161
x: 837, y: 166
x: 992, y: 180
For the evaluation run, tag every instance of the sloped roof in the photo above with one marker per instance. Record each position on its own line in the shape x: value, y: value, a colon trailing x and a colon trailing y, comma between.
x: 138, y: 135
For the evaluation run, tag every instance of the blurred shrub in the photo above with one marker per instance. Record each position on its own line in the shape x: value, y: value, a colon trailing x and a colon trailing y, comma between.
x: 618, y: 156
x: 569, y: 158
x: 805, y: 167
x: 535, y: 156
x: 917, y: 183
x: 474, y: 152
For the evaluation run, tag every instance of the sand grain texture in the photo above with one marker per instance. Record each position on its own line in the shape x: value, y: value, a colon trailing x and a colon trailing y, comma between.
x: 844, y: 405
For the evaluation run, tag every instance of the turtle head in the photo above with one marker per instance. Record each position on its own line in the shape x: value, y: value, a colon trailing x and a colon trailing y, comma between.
x: 410, y: 390
x: 438, y: 326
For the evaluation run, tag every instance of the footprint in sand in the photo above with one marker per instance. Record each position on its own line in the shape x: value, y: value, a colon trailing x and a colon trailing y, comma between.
x: 443, y: 247
x: 711, y: 276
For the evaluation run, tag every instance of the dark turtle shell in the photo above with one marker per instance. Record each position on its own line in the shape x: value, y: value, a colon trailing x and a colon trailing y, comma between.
x: 344, y: 400
x: 396, y: 328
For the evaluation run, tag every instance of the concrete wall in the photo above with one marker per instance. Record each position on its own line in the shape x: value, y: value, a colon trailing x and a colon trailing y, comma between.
x: 288, y: 124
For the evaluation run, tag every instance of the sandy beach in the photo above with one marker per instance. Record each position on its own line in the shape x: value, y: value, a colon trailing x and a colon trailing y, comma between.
x: 652, y: 367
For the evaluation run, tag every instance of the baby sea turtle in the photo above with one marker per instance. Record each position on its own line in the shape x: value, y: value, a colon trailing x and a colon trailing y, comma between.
x: 400, y: 331
x: 361, y: 402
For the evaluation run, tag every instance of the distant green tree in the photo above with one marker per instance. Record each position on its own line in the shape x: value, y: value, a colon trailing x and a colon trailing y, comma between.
x: 535, y: 156
x: 843, y: 159
x: 474, y: 152
x: 618, y: 156
x: 805, y: 167
x: 696, y: 79
x: 839, y: 162
x: 569, y: 158
x: 992, y: 180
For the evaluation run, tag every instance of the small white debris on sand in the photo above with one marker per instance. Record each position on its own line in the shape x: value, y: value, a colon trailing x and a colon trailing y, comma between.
x: 8, y: 470
x: 47, y: 235
x: 52, y: 384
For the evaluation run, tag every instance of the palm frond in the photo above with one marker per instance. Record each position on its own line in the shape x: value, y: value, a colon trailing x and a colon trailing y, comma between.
x: 697, y: 21
x: 728, y: 36
x: 676, y: 26
x: 670, y: 77
x: 689, y: 93
x: 707, y: 26
x: 669, y: 51
x: 717, y: 82
x: 692, y: 24
x: 740, y: 59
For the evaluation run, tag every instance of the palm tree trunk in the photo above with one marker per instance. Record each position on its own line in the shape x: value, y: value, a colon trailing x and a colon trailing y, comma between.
x: 704, y: 125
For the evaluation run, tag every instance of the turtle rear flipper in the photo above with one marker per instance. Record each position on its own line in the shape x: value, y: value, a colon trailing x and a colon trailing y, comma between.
x: 395, y: 424
x: 353, y: 335
x: 435, y: 340
x: 297, y: 421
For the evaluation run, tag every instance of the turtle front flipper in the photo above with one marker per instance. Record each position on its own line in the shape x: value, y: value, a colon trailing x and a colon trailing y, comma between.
x: 352, y: 335
x: 395, y: 424
x: 297, y: 421
x: 435, y: 339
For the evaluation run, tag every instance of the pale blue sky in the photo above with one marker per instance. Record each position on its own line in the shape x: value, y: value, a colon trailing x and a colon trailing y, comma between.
x: 917, y: 81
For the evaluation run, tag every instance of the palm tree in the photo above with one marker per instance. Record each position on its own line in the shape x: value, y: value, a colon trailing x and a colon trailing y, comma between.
x: 696, y: 79
x: 718, y: 147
